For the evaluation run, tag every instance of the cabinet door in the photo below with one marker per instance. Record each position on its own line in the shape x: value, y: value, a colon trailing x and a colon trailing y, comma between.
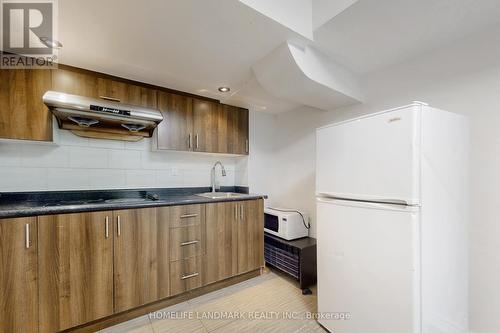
x: 221, y: 241
x: 75, y: 82
x: 135, y: 258
x: 76, y: 269
x: 78, y: 82
x: 175, y: 132
x: 126, y: 93
x: 236, y: 134
x: 23, y: 115
x: 18, y: 275
x: 250, y: 235
x: 205, y: 126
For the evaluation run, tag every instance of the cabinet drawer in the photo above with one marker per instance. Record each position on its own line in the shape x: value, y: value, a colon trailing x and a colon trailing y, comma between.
x: 182, y: 216
x: 185, y: 242
x: 185, y: 275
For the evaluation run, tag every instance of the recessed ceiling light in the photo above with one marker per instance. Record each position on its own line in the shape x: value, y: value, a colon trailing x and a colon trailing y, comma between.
x: 224, y: 89
x: 51, y: 43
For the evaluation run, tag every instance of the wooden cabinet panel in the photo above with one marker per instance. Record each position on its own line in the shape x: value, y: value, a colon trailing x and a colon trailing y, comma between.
x: 163, y: 255
x: 205, y: 126
x: 76, y: 269
x: 182, y: 216
x: 126, y: 93
x: 75, y: 83
x: 250, y: 235
x: 175, y: 132
x: 221, y: 241
x: 185, y: 275
x: 87, y: 84
x: 135, y: 258
x: 234, y: 139
x: 18, y: 276
x: 185, y: 242
x: 23, y: 115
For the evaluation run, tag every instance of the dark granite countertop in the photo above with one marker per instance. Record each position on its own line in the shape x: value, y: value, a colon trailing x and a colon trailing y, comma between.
x: 22, y: 204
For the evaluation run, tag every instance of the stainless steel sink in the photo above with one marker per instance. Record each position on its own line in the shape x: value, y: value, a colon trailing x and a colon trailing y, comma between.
x: 220, y: 195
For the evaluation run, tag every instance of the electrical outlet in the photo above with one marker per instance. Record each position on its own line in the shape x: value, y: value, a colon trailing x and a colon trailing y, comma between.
x: 175, y: 171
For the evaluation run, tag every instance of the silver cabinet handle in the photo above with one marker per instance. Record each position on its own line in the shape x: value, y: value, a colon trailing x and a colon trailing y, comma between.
x: 27, y: 235
x: 118, y: 225
x: 236, y: 212
x: 190, y: 141
x: 241, y: 212
x: 186, y: 216
x: 107, y: 98
x: 189, y: 243
x: 184, y: 277
x: 197, y: 141
x: 106, y: 227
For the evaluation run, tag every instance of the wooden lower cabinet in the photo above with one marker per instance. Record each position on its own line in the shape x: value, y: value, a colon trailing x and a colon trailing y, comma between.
x: 66, y: 270
x: 18, y: 275
x: 136, y: 258
x: 250, y: 235
x: 234, y: 239
x: 185, y: 275
x: 221, y: 243
x: 76, y: 269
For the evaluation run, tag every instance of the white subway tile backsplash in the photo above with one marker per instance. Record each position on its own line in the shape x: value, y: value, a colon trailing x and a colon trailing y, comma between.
x: 66, y: 138
x: 45, y: 156
x: 107, y: 178
x: 80, y: 157
x: 109, y: 144
x: 144, y: 144
x: 140, y: 178
x: 154, y: 160
x: 14, y: 179
x: 165, y: 178
x: 10, y: 154
x: 196, y: 178
x: 68, y: 179
x: 73, y: 162
x: 124, y: 159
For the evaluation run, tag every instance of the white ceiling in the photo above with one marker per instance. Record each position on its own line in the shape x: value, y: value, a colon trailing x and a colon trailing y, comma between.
x: 374, y: 34
x: 199, y: 45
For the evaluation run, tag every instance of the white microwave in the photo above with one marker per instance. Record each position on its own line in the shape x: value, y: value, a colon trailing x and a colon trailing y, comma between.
x: 288, y: 224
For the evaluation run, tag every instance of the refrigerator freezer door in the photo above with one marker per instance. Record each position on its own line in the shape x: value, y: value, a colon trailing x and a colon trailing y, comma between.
x: 368, y: 267
x: 374, y: 158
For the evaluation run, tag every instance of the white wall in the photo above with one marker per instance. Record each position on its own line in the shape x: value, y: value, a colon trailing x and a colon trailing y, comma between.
x: 474, y: 92
x: 76, y: 163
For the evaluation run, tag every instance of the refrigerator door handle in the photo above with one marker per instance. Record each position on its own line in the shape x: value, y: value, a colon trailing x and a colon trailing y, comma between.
x: 329, y: 195
x: 372, y: 205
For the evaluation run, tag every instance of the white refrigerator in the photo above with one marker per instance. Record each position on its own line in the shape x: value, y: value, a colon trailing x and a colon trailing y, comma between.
x: 392, y: 198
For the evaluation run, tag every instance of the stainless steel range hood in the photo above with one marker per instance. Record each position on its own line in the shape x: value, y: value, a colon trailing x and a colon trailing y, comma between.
x: 83, y: 114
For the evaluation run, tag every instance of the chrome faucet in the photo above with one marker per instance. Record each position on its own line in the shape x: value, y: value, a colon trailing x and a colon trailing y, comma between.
x: 213, y: 174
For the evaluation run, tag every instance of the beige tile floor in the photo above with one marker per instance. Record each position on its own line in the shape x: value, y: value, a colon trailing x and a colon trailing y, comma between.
x: 270, y: 294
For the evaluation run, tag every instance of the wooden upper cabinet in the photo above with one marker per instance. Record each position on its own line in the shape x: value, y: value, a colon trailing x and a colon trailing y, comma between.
x: 23, y: 115
x: 175, y: 132
x: 234, y: 121
x: 136, y: 258
x: 221, y: 260
x: 78, y: 82
x: 18, y: 275
x: 76, y: 269
x: 205, y: 126
x: 75, y: 83
x: 250, y: 235
x: 126, y: 93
